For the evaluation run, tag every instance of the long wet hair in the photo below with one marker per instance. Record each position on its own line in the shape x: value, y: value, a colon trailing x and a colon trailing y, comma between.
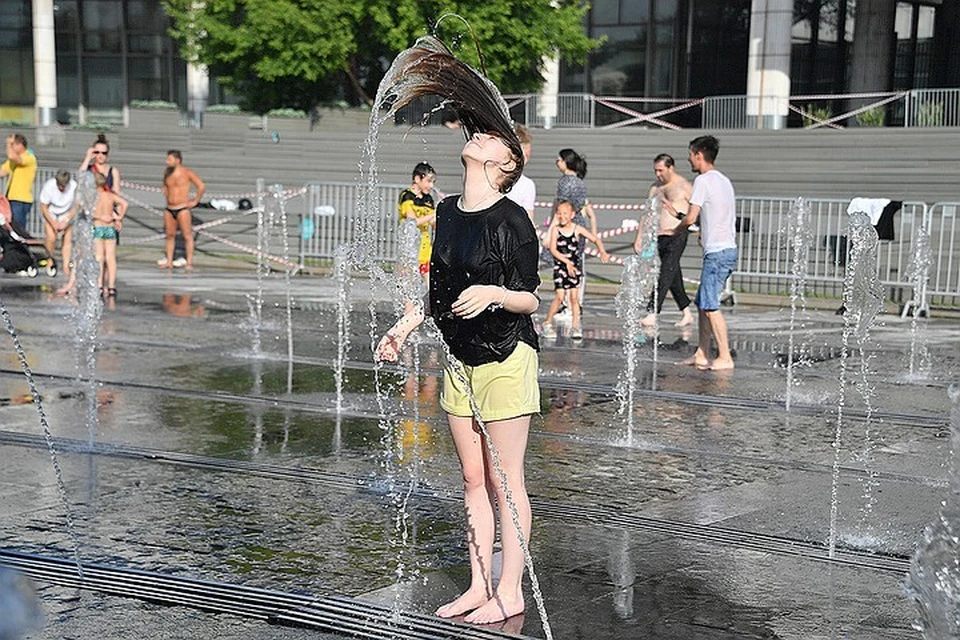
x: 429, y: 68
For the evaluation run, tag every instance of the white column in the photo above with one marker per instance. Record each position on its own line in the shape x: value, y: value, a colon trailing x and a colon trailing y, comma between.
x: 44, y: 63
x: 768, y: 64
x: 198, y: 91
x: 547, y: 100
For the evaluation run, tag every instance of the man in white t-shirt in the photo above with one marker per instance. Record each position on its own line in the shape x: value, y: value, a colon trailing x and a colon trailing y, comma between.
x: 524, y: 191
x: 714, y: 205
x: 57, y: 206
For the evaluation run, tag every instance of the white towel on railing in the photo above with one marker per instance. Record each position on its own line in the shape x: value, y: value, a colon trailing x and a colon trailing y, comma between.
x: 873, y: 207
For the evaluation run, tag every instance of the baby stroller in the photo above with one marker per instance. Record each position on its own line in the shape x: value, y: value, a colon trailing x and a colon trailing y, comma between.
x: 20, y: 253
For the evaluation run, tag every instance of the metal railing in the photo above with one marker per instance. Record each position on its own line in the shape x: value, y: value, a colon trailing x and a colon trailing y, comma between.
x: 764, y: 249
x: 932, y: 108
x: 724, y: 112
x: 764, y: 263
x: 944, y: 283
x: 915, y: 108
x: 35, y: 219
x: 328, y: 220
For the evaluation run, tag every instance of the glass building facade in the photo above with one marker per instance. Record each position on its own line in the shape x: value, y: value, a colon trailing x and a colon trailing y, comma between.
x: 112, y: 52
x: 16, y: 53
x: 697, y: 48
x: 109, y: 53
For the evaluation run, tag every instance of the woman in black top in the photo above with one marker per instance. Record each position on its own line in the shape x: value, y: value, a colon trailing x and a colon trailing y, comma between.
x: 482, y: 295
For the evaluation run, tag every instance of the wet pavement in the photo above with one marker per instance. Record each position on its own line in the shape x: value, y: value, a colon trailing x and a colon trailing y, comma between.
x: 707, y: 517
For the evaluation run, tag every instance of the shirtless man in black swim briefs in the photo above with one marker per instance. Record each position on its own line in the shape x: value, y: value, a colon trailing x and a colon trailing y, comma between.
x: 176, y: 189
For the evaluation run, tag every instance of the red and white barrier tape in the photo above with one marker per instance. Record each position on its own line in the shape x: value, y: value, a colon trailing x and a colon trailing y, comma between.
x: 601, y: 207
x: 287, y: 193
x: 250, y: 250
x: 199, y: 227
x: 848, y: 96
x: 590, y: 251
x: 219, y: 238
x: 609, y: 233
x: 619, y: 231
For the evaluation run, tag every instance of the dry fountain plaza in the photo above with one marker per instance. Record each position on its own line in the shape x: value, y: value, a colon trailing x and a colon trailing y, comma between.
x: 219, y: 492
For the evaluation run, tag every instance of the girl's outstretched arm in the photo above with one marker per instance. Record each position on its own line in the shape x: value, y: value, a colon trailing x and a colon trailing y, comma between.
x: 592, y: 237
x: 388, y: 350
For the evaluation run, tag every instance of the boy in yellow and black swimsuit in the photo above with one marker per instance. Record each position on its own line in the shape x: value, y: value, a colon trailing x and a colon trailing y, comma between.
x: 416, y: 203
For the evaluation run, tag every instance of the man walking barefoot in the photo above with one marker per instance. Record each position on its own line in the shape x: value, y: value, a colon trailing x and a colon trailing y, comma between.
x: 673, y: 192
x: 713, y: 203
x: 176, y: 189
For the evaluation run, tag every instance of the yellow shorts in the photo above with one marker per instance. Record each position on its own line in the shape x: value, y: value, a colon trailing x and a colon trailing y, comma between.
x: 503, y: 390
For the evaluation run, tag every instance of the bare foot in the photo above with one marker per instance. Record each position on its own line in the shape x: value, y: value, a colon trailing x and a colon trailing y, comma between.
x: 721, y: 364
x: 496, y: 609
x: 649, y: 321
x: 467, y: 601
x: 512, y: 625
x: 686, y: 320
x: 695, y: 361
x: 189, y: 267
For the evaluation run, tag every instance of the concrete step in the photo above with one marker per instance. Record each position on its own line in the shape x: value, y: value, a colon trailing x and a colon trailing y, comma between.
x: 899, y: 163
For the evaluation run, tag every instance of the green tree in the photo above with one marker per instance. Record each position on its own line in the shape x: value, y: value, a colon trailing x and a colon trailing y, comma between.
x: 299, y: 53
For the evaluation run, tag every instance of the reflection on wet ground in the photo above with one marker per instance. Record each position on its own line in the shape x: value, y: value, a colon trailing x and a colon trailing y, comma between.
x: 708, y: 521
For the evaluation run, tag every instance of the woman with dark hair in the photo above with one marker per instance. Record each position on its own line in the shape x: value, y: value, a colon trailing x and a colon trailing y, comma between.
x: 96, y: 160
x: 483, y: 291
x: 570, y: 187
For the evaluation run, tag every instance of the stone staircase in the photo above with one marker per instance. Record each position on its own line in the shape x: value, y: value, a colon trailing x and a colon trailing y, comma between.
x: 903, y: 164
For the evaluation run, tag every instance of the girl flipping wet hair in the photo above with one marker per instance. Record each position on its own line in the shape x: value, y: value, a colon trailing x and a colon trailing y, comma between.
x: 482, y: 295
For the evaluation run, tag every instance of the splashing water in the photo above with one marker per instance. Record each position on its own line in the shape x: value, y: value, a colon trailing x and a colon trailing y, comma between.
x: 934, y: 582
x: 341, y: 272
x: 410, y: 285
x: 919, y: 273
x: 640, y: 276
x: 650, y: 268
x: 630, y: 300
x: 457, y: 367
x: 863, y: 293
x: 863, y: 300
x: 397, y: 88
x: 47, y: 434
x: 799, y: 238
x: 256, y: 303
x: 407, y: 296
x: 409, y: 282
x: 20, y: 610
x: 89, y: 309
x: 281, y: 205
x: 252, y: 325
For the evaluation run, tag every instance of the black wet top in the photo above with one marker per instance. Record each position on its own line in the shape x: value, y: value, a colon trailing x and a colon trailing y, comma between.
x: 497, y: 246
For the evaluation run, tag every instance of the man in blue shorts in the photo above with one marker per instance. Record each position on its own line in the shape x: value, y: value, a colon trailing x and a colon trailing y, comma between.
x: 713, y: 206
